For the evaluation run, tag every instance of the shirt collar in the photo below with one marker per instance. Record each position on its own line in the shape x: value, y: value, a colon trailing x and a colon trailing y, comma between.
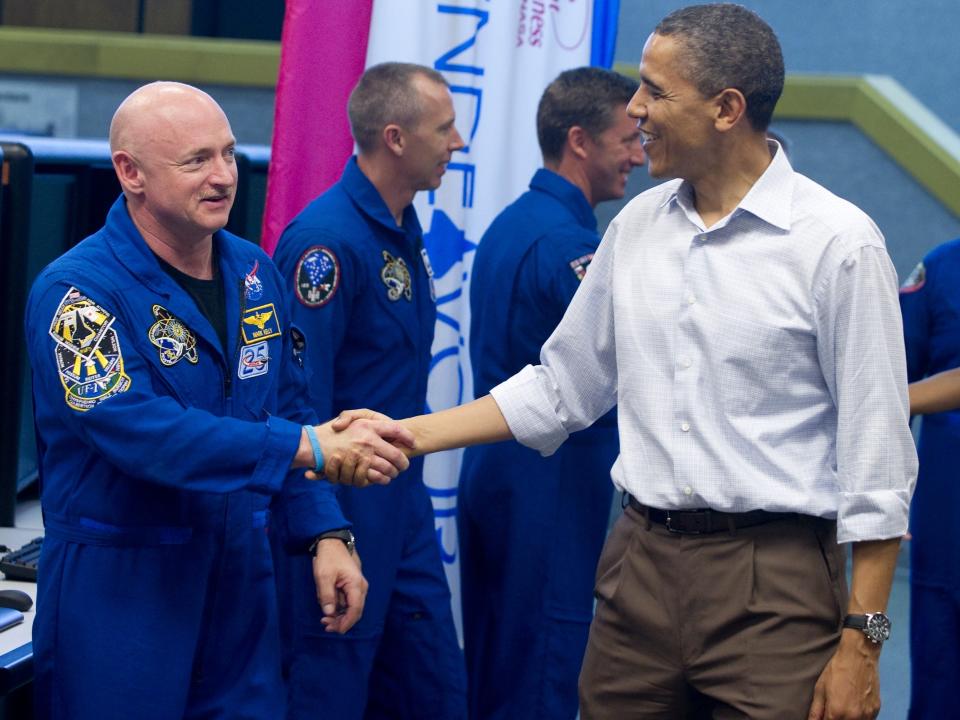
x: 569, y: 195
x: 770, y: 198
x: 368, y: 199
x: 132, y: 250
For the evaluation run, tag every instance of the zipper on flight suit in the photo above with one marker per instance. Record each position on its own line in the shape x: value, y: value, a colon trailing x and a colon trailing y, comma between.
x: 228, y: 374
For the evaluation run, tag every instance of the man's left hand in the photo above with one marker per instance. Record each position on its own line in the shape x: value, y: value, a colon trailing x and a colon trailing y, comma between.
x: 341, y: 587
x: 849, y: 686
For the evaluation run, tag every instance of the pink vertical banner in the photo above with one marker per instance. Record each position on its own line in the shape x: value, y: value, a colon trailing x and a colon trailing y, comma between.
x: 323, y: 52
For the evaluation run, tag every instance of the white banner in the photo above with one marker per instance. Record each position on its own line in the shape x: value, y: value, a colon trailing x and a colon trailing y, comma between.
x: 498, y: 58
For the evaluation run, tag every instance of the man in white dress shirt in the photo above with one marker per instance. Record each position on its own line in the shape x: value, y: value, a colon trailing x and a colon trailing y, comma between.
x: 745, y: 321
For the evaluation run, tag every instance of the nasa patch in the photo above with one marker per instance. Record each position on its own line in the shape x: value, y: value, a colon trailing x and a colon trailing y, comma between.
x: 87, y: 352
x: 580, y: 265
x: 317, y: 276
x: 172, y: 338
x: 916, y: 279
x: 252, y: 285
x: 254, y: 360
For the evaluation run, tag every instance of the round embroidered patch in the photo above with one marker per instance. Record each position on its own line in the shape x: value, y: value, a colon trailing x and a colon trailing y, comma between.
x: 916, y: 280
x: 318, y: 276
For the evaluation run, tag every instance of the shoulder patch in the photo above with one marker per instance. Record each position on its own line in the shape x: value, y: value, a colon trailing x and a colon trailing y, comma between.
x: 172, y: 338
x: 87, y: 351
x: 317, y: 277
x: 396, y: 276
x: 580, y: 265
x: 915, y: 280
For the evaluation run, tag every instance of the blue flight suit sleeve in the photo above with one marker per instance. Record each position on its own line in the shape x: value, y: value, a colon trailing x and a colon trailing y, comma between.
x: 915, y: 296
x: 150, y: 434
x: 571, y: 255
x: 323, y: 320
x: 563, y: 260
x: 309, y: 507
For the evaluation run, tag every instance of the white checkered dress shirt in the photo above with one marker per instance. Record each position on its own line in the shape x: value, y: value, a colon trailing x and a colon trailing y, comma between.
x: 756, y: 365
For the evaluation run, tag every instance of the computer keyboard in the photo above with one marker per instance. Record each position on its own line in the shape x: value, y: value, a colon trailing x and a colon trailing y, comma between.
x: 22, y: 564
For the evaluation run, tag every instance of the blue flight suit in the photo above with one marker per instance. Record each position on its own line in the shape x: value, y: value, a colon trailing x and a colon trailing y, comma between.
x: 930, y: 302
x: 530, y: 528
x: 363, y: 292
x: 159, y: 455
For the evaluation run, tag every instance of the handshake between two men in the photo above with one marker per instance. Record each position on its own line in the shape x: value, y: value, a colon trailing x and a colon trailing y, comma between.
x: 360, y: 447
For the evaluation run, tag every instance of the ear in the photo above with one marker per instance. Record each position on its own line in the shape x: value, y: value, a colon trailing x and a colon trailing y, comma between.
x: 731, y: 109
x: 128, y: 172
x: 577, y: 139
x: 394, y: 140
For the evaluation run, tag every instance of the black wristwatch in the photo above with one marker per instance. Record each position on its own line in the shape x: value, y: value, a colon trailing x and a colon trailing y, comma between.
x: 876, y: 626
x: 343, y: 534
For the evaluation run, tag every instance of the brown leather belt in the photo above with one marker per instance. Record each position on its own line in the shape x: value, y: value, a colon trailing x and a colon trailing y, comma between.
x: 704, y: 522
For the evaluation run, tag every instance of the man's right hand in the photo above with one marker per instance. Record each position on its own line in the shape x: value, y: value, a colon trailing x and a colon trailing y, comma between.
x: 362, y: 453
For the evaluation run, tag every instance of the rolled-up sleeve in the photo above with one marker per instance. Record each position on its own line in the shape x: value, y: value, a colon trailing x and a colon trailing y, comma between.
x: 860, y: 344
x: 576, y: 381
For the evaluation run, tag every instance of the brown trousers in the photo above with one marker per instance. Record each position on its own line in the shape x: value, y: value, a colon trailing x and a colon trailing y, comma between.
x: 726, y: 625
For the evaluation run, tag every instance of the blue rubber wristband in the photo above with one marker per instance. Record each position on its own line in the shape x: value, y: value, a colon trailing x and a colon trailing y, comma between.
x: 317, y: 452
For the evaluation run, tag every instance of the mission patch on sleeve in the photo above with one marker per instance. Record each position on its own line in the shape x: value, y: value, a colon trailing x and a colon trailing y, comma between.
x: 580, y: 265
x: 317, y: 276
x: 87, y: 351
x: 916, y: 279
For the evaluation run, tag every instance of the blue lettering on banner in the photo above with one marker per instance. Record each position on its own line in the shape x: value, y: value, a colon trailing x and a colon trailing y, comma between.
x: 469, y: 171
x: 447, y: 244
x: 442, y: 64
x: 478, y: 94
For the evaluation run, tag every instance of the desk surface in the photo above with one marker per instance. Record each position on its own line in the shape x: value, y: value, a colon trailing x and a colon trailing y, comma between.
x: 16, y: 643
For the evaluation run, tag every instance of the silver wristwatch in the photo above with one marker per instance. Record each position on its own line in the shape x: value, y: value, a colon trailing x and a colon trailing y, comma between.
x: 876, y: 626
x: 345, y: 535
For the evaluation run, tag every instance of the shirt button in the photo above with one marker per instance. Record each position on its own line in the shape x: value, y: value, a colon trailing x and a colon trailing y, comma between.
x: 691, y: 299
x: 688, y: 490
x: 686, y: 362
x: 685, y: 427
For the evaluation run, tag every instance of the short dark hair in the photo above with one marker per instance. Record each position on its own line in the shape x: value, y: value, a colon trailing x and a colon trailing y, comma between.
x: 727, y: 46
x: 586, y: 97
x: 385, y: 95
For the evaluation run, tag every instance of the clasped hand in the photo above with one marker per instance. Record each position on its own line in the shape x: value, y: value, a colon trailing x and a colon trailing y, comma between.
x: 362, y: 447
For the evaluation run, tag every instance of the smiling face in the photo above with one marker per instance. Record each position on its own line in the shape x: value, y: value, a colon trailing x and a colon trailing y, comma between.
x: 676, y: 121
x: 433, y: 139
x: 611, y: 156
x: 181, y: 176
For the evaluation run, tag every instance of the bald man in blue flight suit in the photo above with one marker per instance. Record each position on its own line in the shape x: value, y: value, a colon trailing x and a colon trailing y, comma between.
x: 354, y: 260
x: 166, y: 377
x: 531, y: 528
x: 930, y: 302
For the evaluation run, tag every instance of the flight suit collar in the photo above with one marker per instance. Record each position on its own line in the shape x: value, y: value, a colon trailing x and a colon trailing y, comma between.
x: 368, y: 200
x: 134, y: 254
x: 568, y: 194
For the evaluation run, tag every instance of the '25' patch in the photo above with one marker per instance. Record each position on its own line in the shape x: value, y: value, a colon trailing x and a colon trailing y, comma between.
x: 254, y: 360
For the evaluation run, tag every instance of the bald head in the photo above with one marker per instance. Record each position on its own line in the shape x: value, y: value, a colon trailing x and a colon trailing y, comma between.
x: 152, y: 109
x: 173, y: 150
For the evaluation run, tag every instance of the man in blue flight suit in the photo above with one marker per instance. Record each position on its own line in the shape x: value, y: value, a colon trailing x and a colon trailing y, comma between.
x: 355, y: 261
x: 930, y: 302
x: 531, y: 528
x: 164, y: 366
